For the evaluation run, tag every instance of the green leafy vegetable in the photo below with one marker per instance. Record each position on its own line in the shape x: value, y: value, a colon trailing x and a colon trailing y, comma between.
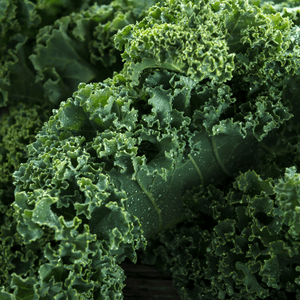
x: 194, y: 141
x: 249, y: 242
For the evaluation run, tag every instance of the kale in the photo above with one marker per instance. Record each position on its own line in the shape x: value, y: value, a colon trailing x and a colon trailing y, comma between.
x: 173, y: 137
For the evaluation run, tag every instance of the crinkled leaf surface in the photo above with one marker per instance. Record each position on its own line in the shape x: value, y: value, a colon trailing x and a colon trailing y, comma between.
x: 110, y: 167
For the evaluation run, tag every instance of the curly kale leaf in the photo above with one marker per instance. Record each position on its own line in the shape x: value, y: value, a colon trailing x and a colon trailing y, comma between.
x: 228, y: 42
x: 48, y: 48
x: 241, y: 242
x: 89, y: 171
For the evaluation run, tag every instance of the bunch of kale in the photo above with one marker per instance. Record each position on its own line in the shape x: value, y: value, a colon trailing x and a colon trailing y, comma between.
x: 182, y: 136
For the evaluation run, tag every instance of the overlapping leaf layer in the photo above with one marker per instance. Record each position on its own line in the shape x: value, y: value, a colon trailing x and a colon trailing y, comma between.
x: 207, y: 90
